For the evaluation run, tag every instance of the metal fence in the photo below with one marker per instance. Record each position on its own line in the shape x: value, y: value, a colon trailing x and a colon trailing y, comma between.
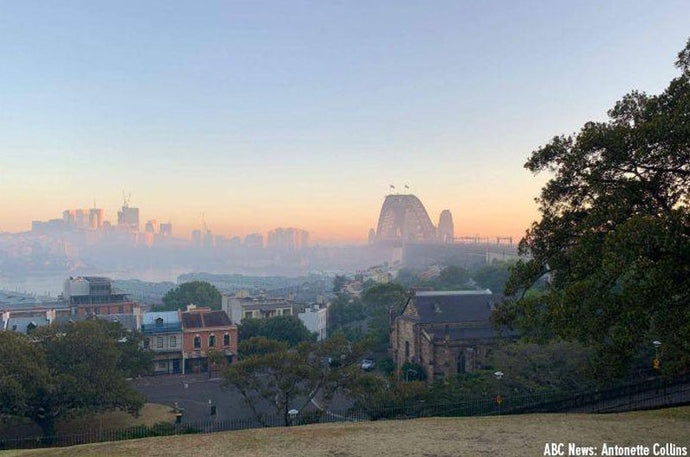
x: 652, y: 393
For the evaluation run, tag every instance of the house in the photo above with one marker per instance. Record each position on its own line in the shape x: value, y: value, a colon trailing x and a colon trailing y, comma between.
x: 315, y: 318
x: 445, y: 332
x: 204, y: 330
x: 239, y: 307
x: 163, y: 336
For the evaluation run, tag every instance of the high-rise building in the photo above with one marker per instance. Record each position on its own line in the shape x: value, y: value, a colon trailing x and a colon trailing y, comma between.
x: 287, y: 239
x: 151, y: 226
x: 166, y: 229
x: 254, y: 240
x: 96, y: 218
x: 77, y: 218
x: 446, y: 231
x: 128, y: 218
x: 196, y: 238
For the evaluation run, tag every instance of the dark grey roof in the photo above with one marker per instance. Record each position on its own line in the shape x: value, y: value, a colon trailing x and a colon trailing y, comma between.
x: 454, y: 306
x: 21, y: 324
x: 201, y: 319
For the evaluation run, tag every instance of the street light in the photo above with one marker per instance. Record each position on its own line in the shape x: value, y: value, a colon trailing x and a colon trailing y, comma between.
x: 293, y: 415
x: 656, y: 363
x: 499, y: 399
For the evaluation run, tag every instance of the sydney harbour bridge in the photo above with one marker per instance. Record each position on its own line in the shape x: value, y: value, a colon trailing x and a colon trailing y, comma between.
x: 404, y: 223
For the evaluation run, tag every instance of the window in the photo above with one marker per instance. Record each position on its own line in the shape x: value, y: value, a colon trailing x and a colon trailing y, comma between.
x: 197, y: 342
x: 97, y: 310
x: 226, y: 340
x: 212, y: 341
x: 248, y: 314
x: 173, y: 341
x: 147, y: 343
x: 407, y: 348
x: 159, y: 342
x: 159, y: 322
x: 121, y: 309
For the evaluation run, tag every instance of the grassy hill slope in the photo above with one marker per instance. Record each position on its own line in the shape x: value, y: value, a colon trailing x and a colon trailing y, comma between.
x: 441, y: 437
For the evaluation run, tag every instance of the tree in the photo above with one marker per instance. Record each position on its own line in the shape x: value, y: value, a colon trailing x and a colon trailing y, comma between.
x: 276, y: 378
x: 614, y: 233
x: 339, y: 283
x: 453, y: 278
x: 134, y: 361
x: 200, y: 293
x: 25, y: 380
x: 289, y: 329
x: 382, y: 303
x: 493, y: 276
x: 64, y: 371
x: 345, y: 310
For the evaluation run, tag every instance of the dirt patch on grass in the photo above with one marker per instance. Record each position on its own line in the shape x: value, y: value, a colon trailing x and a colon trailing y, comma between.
x: 431, y: 437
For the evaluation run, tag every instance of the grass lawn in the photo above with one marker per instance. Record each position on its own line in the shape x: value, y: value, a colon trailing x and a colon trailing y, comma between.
x: 431, y: 437
x: 150, y: 414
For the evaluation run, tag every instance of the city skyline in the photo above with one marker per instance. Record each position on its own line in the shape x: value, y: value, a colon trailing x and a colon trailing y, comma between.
x: 262, y: 115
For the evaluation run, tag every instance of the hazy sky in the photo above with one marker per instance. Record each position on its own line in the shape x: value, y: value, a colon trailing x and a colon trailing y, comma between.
x: 263, y: 114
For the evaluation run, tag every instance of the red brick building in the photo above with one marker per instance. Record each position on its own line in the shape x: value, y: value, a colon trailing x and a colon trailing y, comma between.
x: 94, y: 296
x: 203, y: 330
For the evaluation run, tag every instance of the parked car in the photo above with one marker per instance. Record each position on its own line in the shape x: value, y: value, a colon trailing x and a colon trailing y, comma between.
x: 367, y: 364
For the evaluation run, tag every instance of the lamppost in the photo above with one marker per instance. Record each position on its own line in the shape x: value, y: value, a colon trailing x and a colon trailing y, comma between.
x: 499, y: 399
x: 657, y: 363
x: 293, y: 415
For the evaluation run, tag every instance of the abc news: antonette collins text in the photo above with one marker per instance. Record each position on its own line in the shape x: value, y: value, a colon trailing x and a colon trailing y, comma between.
x: 605, y: 449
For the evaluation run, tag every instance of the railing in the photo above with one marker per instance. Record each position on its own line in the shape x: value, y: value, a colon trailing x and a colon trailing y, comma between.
x: 654, y: 393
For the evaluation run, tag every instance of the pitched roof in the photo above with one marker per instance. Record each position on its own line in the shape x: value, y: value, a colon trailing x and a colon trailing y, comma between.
x: 21, y: 324
x: 205, y: 319
x: 454, y: 306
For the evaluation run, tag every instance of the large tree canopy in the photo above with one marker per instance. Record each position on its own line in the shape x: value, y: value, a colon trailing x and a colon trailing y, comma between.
x: 288, y: 329
x: 65, y: 370
x: 614, y: 234
x: 200, y: 293
x: 274, y: 377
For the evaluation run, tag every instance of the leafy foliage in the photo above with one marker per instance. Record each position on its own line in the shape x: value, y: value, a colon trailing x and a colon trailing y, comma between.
x: 614, y: 234
x: 338, y: 283
x: 288, y: 329
x: 345, y: 310
x: 200, y: 293
x: 282, y: 378
x: 64, y: 371
x: 493, y: 277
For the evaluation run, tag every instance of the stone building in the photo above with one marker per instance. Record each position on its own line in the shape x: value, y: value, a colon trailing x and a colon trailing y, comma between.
x: 446, y: 332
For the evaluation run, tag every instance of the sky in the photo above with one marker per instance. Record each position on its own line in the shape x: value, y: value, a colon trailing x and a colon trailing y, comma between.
x: 253, y: 114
